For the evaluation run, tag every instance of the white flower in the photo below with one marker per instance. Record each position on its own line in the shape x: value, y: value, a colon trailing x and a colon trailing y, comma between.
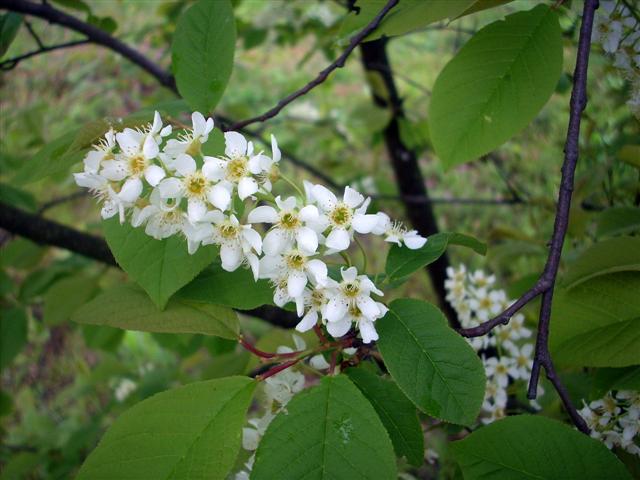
x: 102, y: 151
x: 494, y: 396
x: 319, y: 362
x: 486, y: 303
x: 350, y: 301
x: 294, y: 268
x: 237, y: 242
x: 239, y: 167
x: 283, y: 386
x: 314, y: 300
x: 522, y: 361
x: 162, y: 219
x: 112, y: 202
x: 125, y: 388
x: 289, y: 225
x: 396, y: 233
x: 196, y: 185
x: 498, y: 369
x: 191, y: 142
x: 480, y: 280
x: 344, y: 216
x: 269, y: 166
x: 607, y: 32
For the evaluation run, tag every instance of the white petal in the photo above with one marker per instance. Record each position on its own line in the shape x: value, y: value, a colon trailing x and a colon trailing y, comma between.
x: 231, y: 256
x: 208, y: 126
x: 352, y: 198
x: 166, y: 131
x: 296, y: 281
x: 170, y: 188
x: 287, y: 204
x: 325, y: 198
x: 92, y: 161
x: 307, y: 239
x: 129, y: 141
x: 214, y: 168
x: 246, y: 187
x: 384, y: 222
x: 253, y: 239
x: 263, y: 214
x: 89, y: 180
x: 367, y: 331
x: 368, y: 307
x: 414, y: 241
x: 235, y: 144
x: 154, y: 174
x: 280, y: 297
x: 150, y: 148
x: 219, y: 197
x: 109, y: 209
x: 338, y: 240
x: 254, y: 263
x: 318, y: 362
x: 318, y: 269
x: 269, y: 266
x: 364, y: 223
x: 274, y: 242
x: 254, y: 164
x: 275, y: 151
x: 308, y: 321
x: 349, y: 274
x: 338, y: 329
x: 199, y: 123
x: 196, y: 209
x: 142, y: 215
x: 115, y: 170
x: 185, y: 164
x: 309, y: 213
x: 335, y: 310
x: 131, y: 190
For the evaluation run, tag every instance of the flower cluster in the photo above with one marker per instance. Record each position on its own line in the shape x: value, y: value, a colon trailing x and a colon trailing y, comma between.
x: 616, y: 30
x: 164, y: 182
x: 615, y: 420
x: 507, y: 354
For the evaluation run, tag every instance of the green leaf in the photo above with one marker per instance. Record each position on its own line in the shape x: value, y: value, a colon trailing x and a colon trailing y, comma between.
x: 614, y: 255
x: 101, y: 337
x: 51, y: 159
x: 127, y: 307
x: 495, y: 85
x: 190, y: 432
x: 597, y: 323
x: 9, y: 25
x: 630, y: 154
x: 479, y: 5
x: 17, y: 197
x: 607, y: 379
x: 408, y: 16
x: 202, y: 52
x: 66, y: 296
x: 161, y: 267
x: 22, y: 254
x: 617, y: 221
x: 13, y: 334
x: 402, y: 261
x: 433, y: 365
x: 233, y: 289
x: 526, y: 446
x: 397, y: 413
x: 327, y: 432
x: 74, y: 5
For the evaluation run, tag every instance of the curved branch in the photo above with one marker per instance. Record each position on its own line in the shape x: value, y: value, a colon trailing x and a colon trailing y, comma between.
x: 324, y: 74
x: 11, y: 63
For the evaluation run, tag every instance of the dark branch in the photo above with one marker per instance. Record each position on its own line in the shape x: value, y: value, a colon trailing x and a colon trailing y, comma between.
x: 405, y: 166
x: 46, y: 232
x: 324, y: 74
x: 13, y: 62
x: 545, y: 284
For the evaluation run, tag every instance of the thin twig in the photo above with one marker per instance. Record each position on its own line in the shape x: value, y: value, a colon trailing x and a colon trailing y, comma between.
x: 33, y: 33
x: 59, y: 201
x: 545, y: 284
x: 324, y: 74
x: 11, y: 63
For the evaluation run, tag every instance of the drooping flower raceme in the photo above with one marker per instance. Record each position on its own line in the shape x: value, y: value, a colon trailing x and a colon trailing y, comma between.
x: 162, y: 181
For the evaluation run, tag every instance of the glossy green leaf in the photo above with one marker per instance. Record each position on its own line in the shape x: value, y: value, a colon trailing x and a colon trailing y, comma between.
x: 433, y: 365
x: 126, y: 306
x: 607, y: 379
x: 66, y: 296
x: 13, y: 334
x: 609, y: 256
x: 202, y: 52
x: 495, y: 85
x: 397, y: 413
x: 161, y: 267
x: 479, y: 5
x: 618, y: 221
x: 597, y: 323
x: 402, y: 261
x: 526, y: 446
x: 9, y: 25
x: 233, y: 289
x: 326, y: 432
x: 190, y: 432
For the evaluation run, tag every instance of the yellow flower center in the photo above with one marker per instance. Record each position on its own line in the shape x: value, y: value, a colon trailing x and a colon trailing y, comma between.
x: 196, y: 184
x: 289, y: 221
x: 354, y: 311
x: 295, y: 260
x: 228, y: 231
x: 137, y: 165
x: 341, y: 215
x: 194, y: 148
x: 351, y: 289
x: 237, y: 168
x: 317, y: 298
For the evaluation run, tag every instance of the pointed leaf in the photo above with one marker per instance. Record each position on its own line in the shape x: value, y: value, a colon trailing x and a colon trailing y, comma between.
x: 433, y: 365
x: 326, y: 432
x: 190, y: 432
